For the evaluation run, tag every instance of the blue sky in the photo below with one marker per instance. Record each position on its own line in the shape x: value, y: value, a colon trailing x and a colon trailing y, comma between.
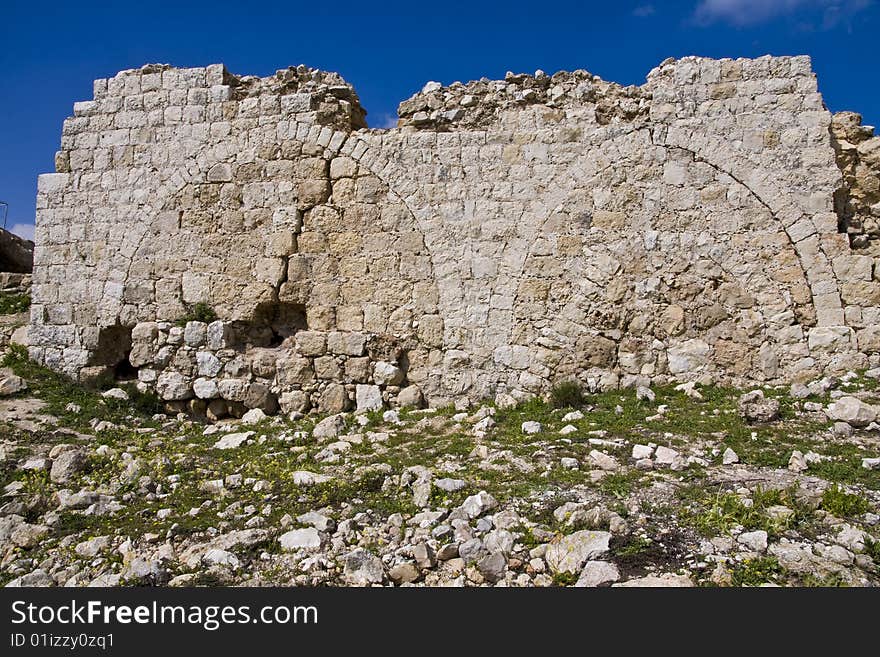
x: 51, y: 52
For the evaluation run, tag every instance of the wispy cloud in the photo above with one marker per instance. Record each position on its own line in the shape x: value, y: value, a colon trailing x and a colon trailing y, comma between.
x: 643, y: 11
x: 741, y: 13
x: 23, y: 230
x: 386, y: 121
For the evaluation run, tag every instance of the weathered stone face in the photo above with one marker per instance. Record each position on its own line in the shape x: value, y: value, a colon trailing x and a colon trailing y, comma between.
x: 508, y: 235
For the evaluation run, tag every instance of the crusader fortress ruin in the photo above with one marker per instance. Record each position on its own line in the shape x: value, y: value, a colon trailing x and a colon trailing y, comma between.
x: 242, y: 242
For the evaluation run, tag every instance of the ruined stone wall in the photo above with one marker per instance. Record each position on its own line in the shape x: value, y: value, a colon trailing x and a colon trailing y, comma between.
x: 16, y: 254
x: 505, y: 236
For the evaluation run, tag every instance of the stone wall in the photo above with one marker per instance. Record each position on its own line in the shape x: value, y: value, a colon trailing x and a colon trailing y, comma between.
x: 16, y: 254
x: 858, y: 202
x: 507, y: 235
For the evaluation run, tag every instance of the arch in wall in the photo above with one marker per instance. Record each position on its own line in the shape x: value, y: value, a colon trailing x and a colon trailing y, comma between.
x: 369, y: 152
x: 771, y: 192
x: 351, y: 257
x: 547, y: 329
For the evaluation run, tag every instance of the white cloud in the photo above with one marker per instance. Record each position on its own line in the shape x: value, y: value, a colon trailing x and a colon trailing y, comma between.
x: 387, y: 121
x: 751, y: 12
x: 23, y: 230
x: 643, y: 11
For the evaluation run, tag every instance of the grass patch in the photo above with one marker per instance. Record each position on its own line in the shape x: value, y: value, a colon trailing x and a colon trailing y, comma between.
x: 567, y: 394
x: 58, y: 391
x: 872, y: 549
x: 833, y: 580
x: 12, y: 304
x: 718, y: 514
x: 634, y: 547
x: 838, y: 502
x: 621, y: 484
x: 565, y: 579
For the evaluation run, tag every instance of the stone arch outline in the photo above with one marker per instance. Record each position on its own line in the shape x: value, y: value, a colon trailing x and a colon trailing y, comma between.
x: 334, y: 142
x: 715, y: 153
x: 568, y: 173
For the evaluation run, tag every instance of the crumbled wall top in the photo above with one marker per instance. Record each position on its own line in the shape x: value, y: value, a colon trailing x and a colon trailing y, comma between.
x: 294, y: 89
x: 478, y: 103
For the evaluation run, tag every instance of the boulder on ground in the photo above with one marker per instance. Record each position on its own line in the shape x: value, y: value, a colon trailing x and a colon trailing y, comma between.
x: 754, y: 407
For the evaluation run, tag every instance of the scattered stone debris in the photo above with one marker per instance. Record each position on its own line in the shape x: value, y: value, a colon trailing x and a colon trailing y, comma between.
x: 709, y: 491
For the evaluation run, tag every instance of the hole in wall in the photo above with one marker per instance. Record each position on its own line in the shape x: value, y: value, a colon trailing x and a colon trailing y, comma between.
x: 124, y: 370
x: 272, y: 323
x: 842, y: 209
x: 113, y: 350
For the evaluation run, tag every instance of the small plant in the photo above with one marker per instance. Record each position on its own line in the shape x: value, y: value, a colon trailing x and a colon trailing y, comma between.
x: 831, y: 580
x: 637, y: 545
x: 754, y: 572
x: 16, y: 354
x: 12, y: 304
x: 564, y: 579
x: 839, y: 503
x: 198, y: 312
x: 567, y: 394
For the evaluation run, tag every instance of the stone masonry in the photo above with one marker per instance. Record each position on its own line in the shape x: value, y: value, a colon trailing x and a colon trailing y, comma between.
x: 506, y: 236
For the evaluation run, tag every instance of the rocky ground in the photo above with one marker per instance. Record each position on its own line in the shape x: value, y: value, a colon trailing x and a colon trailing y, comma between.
x: 696, y: 485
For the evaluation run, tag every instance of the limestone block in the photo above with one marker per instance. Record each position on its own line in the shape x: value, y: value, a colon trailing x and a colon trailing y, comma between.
x: 296, y: 103
x: 861, y: 293
x: 368, y: 397
x: 868, y: 339
x: 410, y: 397
x: 342, y: 167
x: 205, y: 388
x: 313, y: 192
x: 208, y: 364
x: 831, y: 338
x: 801, y: 230
x: 294, y: 371
x: 270, y: 270
x: 145, y: 332
x: 350, y: 318
x: 281, y: 243
x: 259, y: 395
x: 357, y: 370
x: 344, y: 343
x: 141, y: 354
x: 194, y: 288
x: 595, y: 351
x: 385, y: 373
x: 334, y: 399
x: 218, y: 334
x: 609, y: 220
x: 688, y: 356
x: 195, y: 334
x: 172, y: 386
x: 294, y: 401
x: 326, y: 367
x: 51, y: 183
x: 311, y: 343
x: 233, y: 389
x: 220, y: 172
